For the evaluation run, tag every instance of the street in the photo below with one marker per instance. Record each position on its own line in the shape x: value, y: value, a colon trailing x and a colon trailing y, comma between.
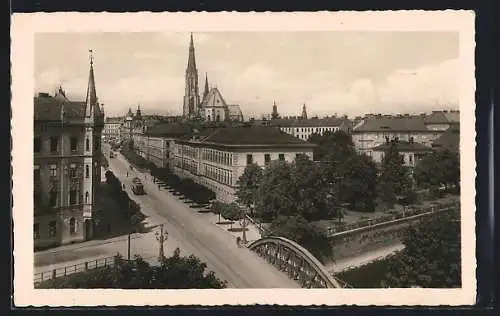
x: 193, y: 235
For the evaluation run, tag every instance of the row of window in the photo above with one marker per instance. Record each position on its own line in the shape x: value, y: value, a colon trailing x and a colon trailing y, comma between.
x: 72, y: 171
x: 217, y: 156
x: 74, y: 197
x: 53, y: 228
x: 218, y: 174
x: 309, y: 129
x: 267, y: 158
x: 54, y: 144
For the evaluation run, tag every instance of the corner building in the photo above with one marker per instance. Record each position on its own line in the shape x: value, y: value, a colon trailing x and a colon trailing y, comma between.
x: 67, y: 166
x: 217, y: 158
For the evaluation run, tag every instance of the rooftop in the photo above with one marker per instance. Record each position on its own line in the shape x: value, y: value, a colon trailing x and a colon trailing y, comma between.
x: 442, y: 117
x: 393, y: 124
x: 312, y: 122
x: 48, y: 108
x: 169, y: 129
x: 403, y: 146
x: 450, y: 140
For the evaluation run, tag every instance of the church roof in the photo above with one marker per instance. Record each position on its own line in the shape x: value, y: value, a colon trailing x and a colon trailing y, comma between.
x: 214, y: 98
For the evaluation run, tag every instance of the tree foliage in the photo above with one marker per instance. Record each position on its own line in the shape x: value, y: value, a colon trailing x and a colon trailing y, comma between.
x: 296, y: 228
x: 332, y: 146
x: 432, y: 254
x: 394, y: 180
x: 248, y: 184
x: 437, y: 169
x: 175, y: 272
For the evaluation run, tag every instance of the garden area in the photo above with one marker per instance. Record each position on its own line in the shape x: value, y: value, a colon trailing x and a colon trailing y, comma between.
x: 431, y: 258
x: 117, y: 214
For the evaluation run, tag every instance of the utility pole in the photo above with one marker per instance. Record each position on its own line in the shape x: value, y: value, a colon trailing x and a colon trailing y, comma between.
x: 129, y: 225
x: 244, y: 226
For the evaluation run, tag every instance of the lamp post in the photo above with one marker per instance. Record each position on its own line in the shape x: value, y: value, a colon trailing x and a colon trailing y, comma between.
x: 129, y: 225
x: 161, y: 237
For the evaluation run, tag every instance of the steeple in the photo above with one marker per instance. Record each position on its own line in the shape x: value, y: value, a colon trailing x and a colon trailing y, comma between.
x: 191, y: 59
x: 191, y: 95
x: 138, y: 113
x: 304, y: 112
x: 205, y: 92
x: 275, y: 114
x: 92, y: 107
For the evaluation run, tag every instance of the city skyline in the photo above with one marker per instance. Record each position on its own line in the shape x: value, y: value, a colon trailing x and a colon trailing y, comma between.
x: 373, y: 72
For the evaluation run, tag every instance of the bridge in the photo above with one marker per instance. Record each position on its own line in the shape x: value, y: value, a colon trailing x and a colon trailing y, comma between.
x: 294, y: 260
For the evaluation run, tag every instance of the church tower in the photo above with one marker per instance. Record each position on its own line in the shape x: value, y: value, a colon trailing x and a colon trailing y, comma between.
x: 304, y: 112
x: 191, y: 94
x: 275, y: 114
x: 94, y: 123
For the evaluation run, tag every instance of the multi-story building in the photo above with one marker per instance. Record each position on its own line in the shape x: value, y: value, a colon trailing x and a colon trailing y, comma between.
x: 410, y: 151
x: 112, y: 127
x: 216, y: 158
x: 304, y: 128
x: 67, y: 166
x: 159, y: 139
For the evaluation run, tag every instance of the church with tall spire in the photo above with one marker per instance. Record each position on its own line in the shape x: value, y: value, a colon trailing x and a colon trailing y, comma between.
x: 67, y: 165
x: 211, y: 106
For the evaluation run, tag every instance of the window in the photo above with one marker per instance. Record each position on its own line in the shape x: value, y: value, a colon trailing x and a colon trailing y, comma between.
x: 87, y: 144
x: 87, y: 171
x: 53, y: 198
x: 53, y: 229
x: 86, y: 197
x: 249, y: 159
x: 267, y: 158
x: 72, y: 226
x: 53, y: 170
x: 281, y: 157
x: 72, y: 197
x: 72, y: 171
x: 73, y: 143
x: 410, y: 158
x: 36, y: 230
x: 53, y: 143
x: 37, y: 144
x: 297, y: 156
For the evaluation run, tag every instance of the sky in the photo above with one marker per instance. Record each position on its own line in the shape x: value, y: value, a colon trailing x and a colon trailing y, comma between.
x: 343, y: 73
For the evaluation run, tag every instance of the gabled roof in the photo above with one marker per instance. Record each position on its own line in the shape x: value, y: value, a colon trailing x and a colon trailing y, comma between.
x: 450, y: 140
x: 48, y: 108
x: 253, y: 135
x: 214, y: 98
x: 403, y: 146
x: 234, y: 110
x: 169, y: 129
x: 392, y: 124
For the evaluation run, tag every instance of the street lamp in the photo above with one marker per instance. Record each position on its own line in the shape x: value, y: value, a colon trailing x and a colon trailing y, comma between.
x: 161, y: 237
x: 129, y: 225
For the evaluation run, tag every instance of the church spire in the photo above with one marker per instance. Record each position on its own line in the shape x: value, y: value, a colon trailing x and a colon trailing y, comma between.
x: 191, y: 59
x: 304, y: 112
x: 275, y: 114
x: 92, y: 107
x: 205, y: 92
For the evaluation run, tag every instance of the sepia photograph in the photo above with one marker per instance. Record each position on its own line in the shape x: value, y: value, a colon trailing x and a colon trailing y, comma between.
x: 249, y: 159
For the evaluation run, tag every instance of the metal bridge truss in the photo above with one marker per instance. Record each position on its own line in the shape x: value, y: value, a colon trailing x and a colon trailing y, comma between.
x: 296, y: 261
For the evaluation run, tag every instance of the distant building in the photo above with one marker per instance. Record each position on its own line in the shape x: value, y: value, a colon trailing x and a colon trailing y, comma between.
x: 449, y: 140
x: 304, y: 128
x: 410, y: 151
x: 112, y: 127
x: 376, y: 130
x: 216, y: 158
x: 67, y: 166
x: 212, y: 107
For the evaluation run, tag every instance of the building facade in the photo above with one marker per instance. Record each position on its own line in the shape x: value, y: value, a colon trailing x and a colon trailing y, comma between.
x: 304, y: 128
x: 218, y: 158
x: 411, y: 152
x: 112, y: 128
x: 67, y: 166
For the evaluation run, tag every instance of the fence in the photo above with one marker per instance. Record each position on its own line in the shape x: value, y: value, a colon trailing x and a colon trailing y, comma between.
x: 76, y: 268
x: 81, y: 267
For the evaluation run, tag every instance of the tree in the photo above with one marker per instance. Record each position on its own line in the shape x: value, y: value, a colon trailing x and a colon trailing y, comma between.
x: 175, y: 272
x: 359, y: 183
x: 231, y: 212
x: 297, y: 229
x: 432, y: 254
x: 248, y: 184
x: 332, y: 146
x: 440, y: 168
x: 394, y: 180
x: 276, y: 192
